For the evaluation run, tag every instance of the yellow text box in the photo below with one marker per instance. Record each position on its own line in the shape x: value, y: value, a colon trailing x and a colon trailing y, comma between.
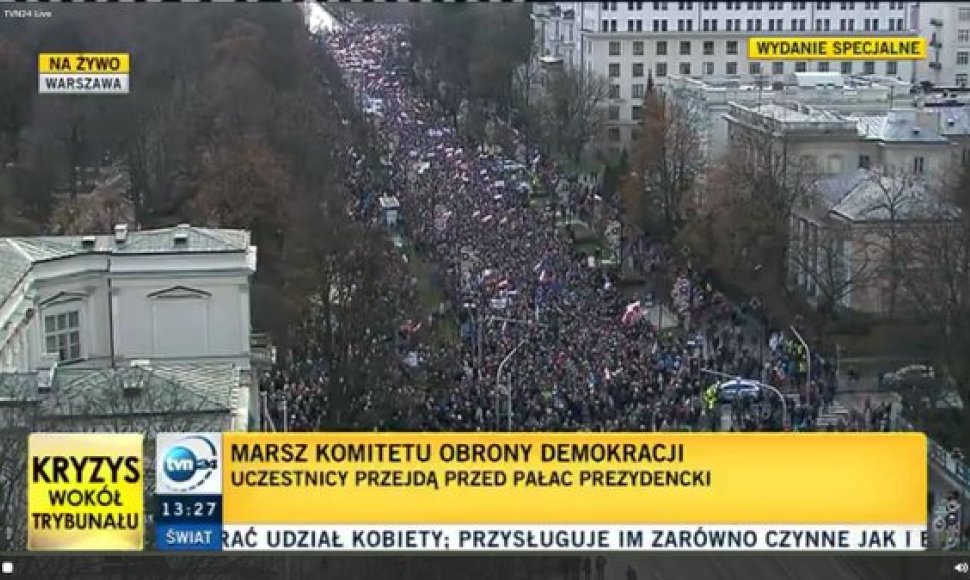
x: 85, y: 491
x: 83, y: 63
x: 837, y: 48
x: 754, y: 479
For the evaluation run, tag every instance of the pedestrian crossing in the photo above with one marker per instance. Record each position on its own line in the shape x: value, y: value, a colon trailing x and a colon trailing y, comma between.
x: 831, y: 416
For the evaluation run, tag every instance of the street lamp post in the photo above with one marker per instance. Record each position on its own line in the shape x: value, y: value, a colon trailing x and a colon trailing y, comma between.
x: 498, y: 385
x: 808, y: 352
x: 784, y: 403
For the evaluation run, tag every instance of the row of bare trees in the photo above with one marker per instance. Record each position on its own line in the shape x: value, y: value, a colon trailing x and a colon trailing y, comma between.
x: 906, y: 245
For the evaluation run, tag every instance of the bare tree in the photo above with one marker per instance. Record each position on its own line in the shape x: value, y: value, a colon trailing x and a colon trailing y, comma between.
x: 936, y: 278
x: 667, y: 162
x: 749, y: 200
x: 831, y: 265
x: 571, y: 110
x: 899, y: 200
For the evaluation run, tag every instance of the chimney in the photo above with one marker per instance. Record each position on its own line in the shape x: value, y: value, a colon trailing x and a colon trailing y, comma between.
x: 46, y: 369
x: 181, y: 234
x: 121, y: 234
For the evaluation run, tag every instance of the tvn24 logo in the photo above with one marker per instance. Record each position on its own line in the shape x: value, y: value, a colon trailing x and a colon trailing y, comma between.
x: 188, y: 463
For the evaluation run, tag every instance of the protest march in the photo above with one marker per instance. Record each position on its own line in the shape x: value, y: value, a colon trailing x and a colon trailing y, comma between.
x: 548, y: 339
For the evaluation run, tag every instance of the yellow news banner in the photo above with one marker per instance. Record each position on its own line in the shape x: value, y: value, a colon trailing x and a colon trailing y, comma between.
x: 753, y: 479
x: 837, y: 48
x: 83, y: 63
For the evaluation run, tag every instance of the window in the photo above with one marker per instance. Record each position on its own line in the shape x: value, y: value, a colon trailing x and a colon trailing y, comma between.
x: 690, y: 25
x: 834, y: 164
x: 629, y: 5
x: 809, y: 162
x: 732, y: 47
x: 605, y: 26
x: 963, y: 35
x: 708, y: 47
x: 827, y: 25
x: 709, y: 68
x: 663, y: 26
x: 777, y: 68
x: 637, y: 69
x: 868, y: 68
x: 729, y: 23
x: 919, y: 164
x: 823, y: 67
x: 661, y: 48
x: 661, y: 69
x: 639, y: 25
x: 636, y: 91
x: 637, y: 48
x: 731, y: 68
x: 892, y: 68
x: 636, y: 112
x: 899, y: 24
x: 801, y: 66
x: 680, y: 25
x: 613, y: 6
x: 612, y: 25
x: 63, y: 335
x: 606, y: 5
x: 656, y: 25
x: 962, y: 80
x: 614, y: 92
x: 613, y: 134
x: 614, y: 48
x: 851, y: 25
x: 963, y: 57
x: 685, y: 48
x: 875, y: 24
x: 865, y: 162
x: 750, y: 25
x: 614, y: 70
x: 685, y: 68
x: 842, y: 25
x: 613, y: 113
x: 757, y: 24
x: 754, y: 68
x: 846, y: 68
x: 629, y: 25
x: 963, y: 14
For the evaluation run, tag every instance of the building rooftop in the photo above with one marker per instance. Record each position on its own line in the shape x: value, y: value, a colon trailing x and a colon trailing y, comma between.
x: 18, y: 254
x: 129, y: 391
x: 901, y: 126
x: 868, y: 196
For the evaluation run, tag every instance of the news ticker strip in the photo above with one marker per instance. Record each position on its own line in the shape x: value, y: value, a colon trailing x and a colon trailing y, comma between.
x: 837, y: 48
x: 328, y: 488
x: 83, y: 73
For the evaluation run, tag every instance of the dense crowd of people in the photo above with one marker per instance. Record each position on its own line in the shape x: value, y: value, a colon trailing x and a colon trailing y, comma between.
x: 548, y: 341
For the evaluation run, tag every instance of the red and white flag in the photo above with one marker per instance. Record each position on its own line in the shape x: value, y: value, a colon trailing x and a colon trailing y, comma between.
x: 632, y: 314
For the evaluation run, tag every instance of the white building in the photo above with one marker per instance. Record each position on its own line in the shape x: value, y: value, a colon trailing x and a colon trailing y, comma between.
x: 946, y: 25
x: 627, y: 41
x: 166, y: 307
x: 710, y: 99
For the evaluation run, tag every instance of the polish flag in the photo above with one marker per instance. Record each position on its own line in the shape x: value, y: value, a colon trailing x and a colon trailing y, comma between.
x: 632, y: 314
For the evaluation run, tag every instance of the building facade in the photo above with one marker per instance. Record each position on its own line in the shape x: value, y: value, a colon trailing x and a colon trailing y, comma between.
x: 857, y: 166
x: 629, y: 41
x: 171, y: 306
x: 946, y: 26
